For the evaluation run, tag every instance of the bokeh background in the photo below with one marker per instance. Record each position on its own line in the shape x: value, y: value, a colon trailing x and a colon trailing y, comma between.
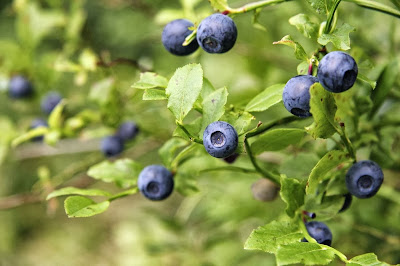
x: 58, y: 45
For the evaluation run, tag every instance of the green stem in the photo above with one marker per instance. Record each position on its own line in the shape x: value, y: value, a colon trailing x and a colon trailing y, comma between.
x: 331, y: 16
x: 254, y: 6
x: 268, y: 126
x: 190, y: 136
x: 229, y: 168
x: 274, y: 178
x: 346, y: 141
x: 124, y: 194
x: 377, y: 7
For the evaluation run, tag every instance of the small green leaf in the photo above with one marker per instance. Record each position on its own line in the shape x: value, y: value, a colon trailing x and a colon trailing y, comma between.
x: 302, y: 68
x: 123, y: 172
x: 277, y: 139
x: 183, y: 90
x: 365, y: 79
x: 326, y: 209
x: 219, y: 5
x: 255, y: 22
x: 78, y: 206
x: 304, y: 253
x: 207, y: 88
x: 292, y: 192
x: 330, y: 161
x: 168, y: 150
x: 213, y: 107
x: 339, y: 37
x: 299, y: 165
x: 101, y: 91
x: 270, y: 236
x: 298, y: 49
x: 56, y: 119
x: 323, y: 109
x: 266, y: 99
x: 33, y: 133
x: 369, y: 259
x: 77, y: 191
x: 154, y: 95
x: 240, y: 121
x: 321, y: 6
x: 303, y: 24
x: 150, y: 80
x: 193, y: 128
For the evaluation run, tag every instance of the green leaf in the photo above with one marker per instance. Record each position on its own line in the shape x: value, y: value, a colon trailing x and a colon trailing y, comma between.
x: 154, y: 95
x: 240, y: 121
x: 369, y: 259
x: 299, y: 165
x: 365, y: 79
x: 185, y: 184
x: 56, y: 117
x: 123, y: 172
x: 339, y: 37
x: 183, y: 90
x: 330, y: 161
x: 254, y: 20
x: 219, y: 5
x: 323, y: 109
x: 298, y: 49
x: 385, y: 83
x: 168, y: 150
x: 277, y: 139
x: 77, y: 191
x: 326, y: 209
x: 33, y: 133
x: 321, y: 6
x: 193, y: 128
x: 101, y: 91
x: 304, y: 253
x: 292, y: 192
x: 302, y: 68
x: 78, y: 206
x: 213, y: 107
x: 207, y: 88
x: 303, y: 24
x: 266, y: 99
x: 150, y: 80
x: 270, y: 236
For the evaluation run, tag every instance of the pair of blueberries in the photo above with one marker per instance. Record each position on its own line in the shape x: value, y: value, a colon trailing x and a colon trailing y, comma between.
x: 215, y: 34
x: 114, y: 145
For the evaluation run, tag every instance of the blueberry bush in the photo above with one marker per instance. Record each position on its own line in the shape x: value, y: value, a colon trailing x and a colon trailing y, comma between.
x: 200, y: 132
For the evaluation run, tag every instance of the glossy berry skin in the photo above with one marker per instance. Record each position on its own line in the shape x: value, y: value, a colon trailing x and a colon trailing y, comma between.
x: 112, y: 146
x: 127, y: 130
x: 337, y: 72
x: 20, y: 87
x: 320, y: 232
x: 348, y: 198
x: 155, y: 182
x: 220, y: 139
x: 217, y: 34
x: 364, y: 179
x: 38, y: 122
x: 50, y: 101
x: 174, y: 35
x: 296, y: 95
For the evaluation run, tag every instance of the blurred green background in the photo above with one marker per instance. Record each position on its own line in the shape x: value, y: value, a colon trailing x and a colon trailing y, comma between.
x: 53, y: 42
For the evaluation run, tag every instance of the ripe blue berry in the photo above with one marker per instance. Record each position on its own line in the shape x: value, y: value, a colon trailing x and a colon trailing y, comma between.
x: 20, y: 87
x: 49, y: 101
x: 155, y: 182
x: 364, y: 179
x: 217, y: 34
x: 348, y: 198
x: 296, y: 95
x: 337, y: 71
x: 174, y: 35
x: 38, y: 122
x: 112, y: 145
x: 320, y: 232
x: 127, y: 130
x: 220, y: 139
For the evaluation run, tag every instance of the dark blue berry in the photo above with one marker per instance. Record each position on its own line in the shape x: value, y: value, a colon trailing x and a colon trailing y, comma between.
x: 347, y: 202
x: 320, y: 232
x: 49, y: 101
x: 112, y: 145
x: 220, y: 139
x: 20, y: 87
x: 127, y: 130
x: 38, y: 122
x: 337, y: 72
x: 296, y: 95
x: 364, y: 179
x: 231, y: 158
x: 217, y: 34
x: 174, y: 35
x: 155, y: 182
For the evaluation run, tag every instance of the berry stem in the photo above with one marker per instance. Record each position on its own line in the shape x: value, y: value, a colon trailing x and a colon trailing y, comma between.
x: 328, y: 26
x: 273, y: 177
x: 264, y: 127
x: 123, y: 194
x: 190, y: 136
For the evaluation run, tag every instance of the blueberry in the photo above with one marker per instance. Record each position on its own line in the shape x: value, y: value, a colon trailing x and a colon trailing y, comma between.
x: 364, y: 179
x: 296, y: 95
x: 231, y: 158
x: 38, y: 122
x: 347, y: 202
x: 49, y: 101
x: 217, y: 34
x: 155, y: 182
x: 264, y: 190
x: 220, y: 139
x: 174, y: 35
x: 127, y: 130
x: 20, y: 87
x: 337, y: 71
x: 320, y: 232
x: 112, y: 145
